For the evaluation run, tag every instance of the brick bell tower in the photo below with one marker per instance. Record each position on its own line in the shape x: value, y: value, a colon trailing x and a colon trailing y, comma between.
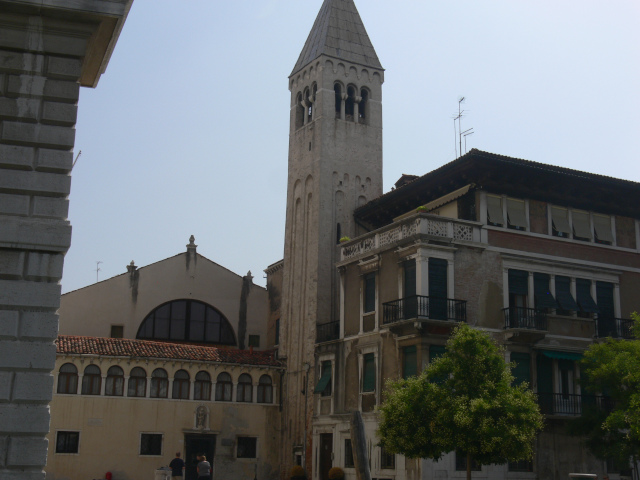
x: 335, y: 165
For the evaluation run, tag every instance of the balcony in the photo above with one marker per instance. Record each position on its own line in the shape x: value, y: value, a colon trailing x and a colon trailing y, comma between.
x: 524, y: 325
x: 614, y: 328
x: 434, y: 311
x: 327, y: 332
x: 571, y: 404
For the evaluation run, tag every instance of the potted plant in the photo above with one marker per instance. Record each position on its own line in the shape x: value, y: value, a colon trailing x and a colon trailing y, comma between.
x: 422, y: 209
x: 298, y: 473
x: 336, y: 473
x: 345, y: 239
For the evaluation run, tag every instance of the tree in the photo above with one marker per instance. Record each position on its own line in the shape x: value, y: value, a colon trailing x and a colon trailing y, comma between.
x: 463, y: 401
x: 613, y: 368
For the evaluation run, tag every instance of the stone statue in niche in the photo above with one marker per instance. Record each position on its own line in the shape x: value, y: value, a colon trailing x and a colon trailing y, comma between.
x: 202, y: 417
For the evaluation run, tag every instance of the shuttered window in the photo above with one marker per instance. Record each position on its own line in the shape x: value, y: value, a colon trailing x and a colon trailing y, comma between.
x: 584, y: 298
x: 604, y: 297
x: 438, y: 289
x: 324, y: 384
x: 368, y: 373
x: 522, y: 369
x: 516, y: 214
x: 581, y: 225
x: 563, y: 294
x: 409, y: 361
x: 560, y: 222
x: 602, y: 226
x: 494, y: 210
x: 369, y: 300
x: 518, y: 282
x: 543, y: 296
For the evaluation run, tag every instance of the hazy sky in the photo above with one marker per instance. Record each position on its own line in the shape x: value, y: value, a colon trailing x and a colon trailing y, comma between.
x: 187, y: 131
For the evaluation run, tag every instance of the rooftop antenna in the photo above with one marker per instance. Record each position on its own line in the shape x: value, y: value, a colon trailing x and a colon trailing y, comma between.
x: 76, y: 160
x: 98, y: 269
x: 460, y: 133
x: 465, y: 134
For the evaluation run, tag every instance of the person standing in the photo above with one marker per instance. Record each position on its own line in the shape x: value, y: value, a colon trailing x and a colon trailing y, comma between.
x: 204, y: 468
x: 177, y: 466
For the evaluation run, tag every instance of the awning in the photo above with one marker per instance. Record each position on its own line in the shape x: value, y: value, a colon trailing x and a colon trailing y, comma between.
x: 494, y: 208
x: 560, y: 220
x: 324, y: 381
x: 583, y: 292
x: 581, y: 225
x: 561, y: 355
x: 544, y: 298
x: 449, y: 197
x: 602, y: 225
x: 563, y: 294
x: 516, y: 213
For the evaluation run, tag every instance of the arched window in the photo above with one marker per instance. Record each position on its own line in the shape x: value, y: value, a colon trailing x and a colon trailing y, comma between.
x: 223, y: 388
x: 363, y: 106
x: 299, y: 111
x: 159, y: 383
x: 181, y: 385
x: 92, y: 380
x: 114, y: 386
x: 68, y: 379
x: 137, y: 383
x: 337, y: 88
x: 350, y: 102
x: 244, y: 391
x: 265, y: 389
x: 189, y: 320
x: 202, y: 387
x: 308, y: 105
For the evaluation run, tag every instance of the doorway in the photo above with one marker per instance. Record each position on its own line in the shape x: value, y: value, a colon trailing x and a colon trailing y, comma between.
x: 326, y: 454
x: 197, y: 444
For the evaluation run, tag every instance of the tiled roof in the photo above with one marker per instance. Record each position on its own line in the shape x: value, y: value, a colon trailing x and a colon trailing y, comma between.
x: 338, y: 32
x: 119, y: 347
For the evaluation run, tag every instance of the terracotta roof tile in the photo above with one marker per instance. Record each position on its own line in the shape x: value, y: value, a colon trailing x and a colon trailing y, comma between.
x: 120, y: 347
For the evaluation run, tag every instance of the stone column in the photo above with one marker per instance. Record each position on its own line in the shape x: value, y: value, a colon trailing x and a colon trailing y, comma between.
x: 47, y: 51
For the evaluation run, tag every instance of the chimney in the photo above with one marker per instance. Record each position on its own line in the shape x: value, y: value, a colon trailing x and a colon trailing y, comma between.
x: 191, y: 247
x: 131, y: 268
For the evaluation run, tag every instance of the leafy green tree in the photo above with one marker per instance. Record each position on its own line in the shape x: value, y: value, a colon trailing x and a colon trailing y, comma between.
x: 613, y: 368
x: 463, y: 401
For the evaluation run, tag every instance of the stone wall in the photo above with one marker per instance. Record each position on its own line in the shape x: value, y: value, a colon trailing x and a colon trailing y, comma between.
x: 42, y: 63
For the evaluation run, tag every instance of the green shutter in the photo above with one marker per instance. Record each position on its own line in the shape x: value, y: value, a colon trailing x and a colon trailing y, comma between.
x: 436, y: 351
x: 518, y: 282
x: 583, y: 292
x: 522, y: 369
x: 563, y: 294
x: 325, y: 378
x: 369, y: 373
x: 545, y: 375
x: 543, y: 296
x: 409, y: 361
x: 604, y: 297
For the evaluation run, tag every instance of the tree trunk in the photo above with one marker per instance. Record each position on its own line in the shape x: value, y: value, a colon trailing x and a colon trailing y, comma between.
x: 468, y: 466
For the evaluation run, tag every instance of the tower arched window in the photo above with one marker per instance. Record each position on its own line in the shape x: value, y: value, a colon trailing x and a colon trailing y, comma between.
x: 308, y: 106
x: 189, y: 320
x: 337, y: 88
x: 363, y: 106
x: 137, y: 383
x: 245, y: 389
x: 68, y: 379
x: 349, y: 105
x: 92, y: 380
x: 202, y: 387
x: 223, y: 387
x: 265, y: 389
x: 299, y: 111
x: 114, y: 385
x: 181, y: 385
x: 159, y: 383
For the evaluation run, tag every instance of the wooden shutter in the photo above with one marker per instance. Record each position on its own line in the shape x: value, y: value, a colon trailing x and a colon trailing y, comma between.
x: 409, y: 361
x: 368, y: 373
x: 522, y: 369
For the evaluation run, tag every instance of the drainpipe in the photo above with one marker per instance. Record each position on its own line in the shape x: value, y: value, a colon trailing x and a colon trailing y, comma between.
x: 305, y: 391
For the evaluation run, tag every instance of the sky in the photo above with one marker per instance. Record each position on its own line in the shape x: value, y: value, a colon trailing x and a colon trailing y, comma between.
x: 187, y: 130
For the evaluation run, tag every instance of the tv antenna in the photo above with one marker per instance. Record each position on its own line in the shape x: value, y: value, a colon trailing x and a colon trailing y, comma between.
x: 98, y: 269
x: 458, y: 134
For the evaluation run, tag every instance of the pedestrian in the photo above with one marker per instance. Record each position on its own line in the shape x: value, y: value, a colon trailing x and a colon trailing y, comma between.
x: 204, y: 468
x: 177, y: 466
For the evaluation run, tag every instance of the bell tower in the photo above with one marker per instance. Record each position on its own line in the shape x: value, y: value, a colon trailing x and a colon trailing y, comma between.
x: 335, y: 166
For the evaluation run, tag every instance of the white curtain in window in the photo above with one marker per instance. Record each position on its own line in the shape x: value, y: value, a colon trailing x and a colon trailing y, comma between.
x: 560, y: 220
x: 602, y: 225
x: 494, y: 208
x: 516, y: 213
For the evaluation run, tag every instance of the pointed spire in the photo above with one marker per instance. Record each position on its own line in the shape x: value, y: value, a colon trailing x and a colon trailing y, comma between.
x: 338, y: 32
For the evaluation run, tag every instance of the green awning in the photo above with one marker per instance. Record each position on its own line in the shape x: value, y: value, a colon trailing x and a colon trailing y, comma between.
x: 324, y: 381
x: 561, y: 355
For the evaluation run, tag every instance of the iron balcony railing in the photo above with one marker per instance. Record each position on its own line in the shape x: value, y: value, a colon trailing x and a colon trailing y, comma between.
x: 572, y: 404
x: 424, y: 307
x: 529, y: 318
x: 326, y: 332
x: 614, y: 327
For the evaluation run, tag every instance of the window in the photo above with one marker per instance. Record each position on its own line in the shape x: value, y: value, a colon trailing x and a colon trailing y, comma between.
x: 137, y: 383
x: 436, y: 351
x: 91, y: 381
x: 602, y: 227
x: 363, y: 105
x: 368, y: 373
x: 67, y: 442
x: 461, y: 463
x: 187, y: 320
x: 151, y: 444
x: 521, y: 466
x: 522, y: 369
x: 337, y: 89
x: 369, y: 298
x: 564, y: 297
x: 543, y: 298
x: 494, y: 211
x: 117, y: 331
x: 349, y: 105
x: 604, y: 297
x: 223, y: 388
x: 68, y: 379
x: 581, y: 225
x: 409, y: 361
x: 254, y: 341
x: 247, y: 447
x: 277, y: 332
x: 438, y: 284
x: 560, y: 222
x: 181, y: 385
x: 348, y: 454
x: 265, y: 389
x: 114, y: 385
x: 516, y: 214
x: 159, y: 383
x: 202, y: 387
x: 387, y: 460
x: 584, y: 298
x: 324, y: 384
x: 245, y: 389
